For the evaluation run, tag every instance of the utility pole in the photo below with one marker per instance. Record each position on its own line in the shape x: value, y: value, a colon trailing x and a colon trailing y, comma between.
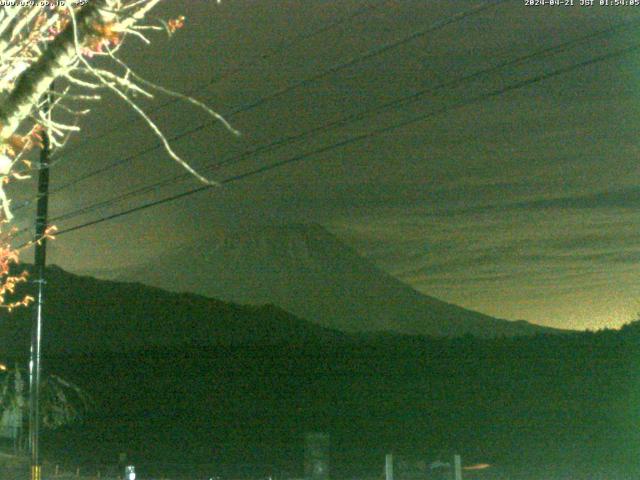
x: 36, y: 328
x: 457, y: 467
x: 388, y: 466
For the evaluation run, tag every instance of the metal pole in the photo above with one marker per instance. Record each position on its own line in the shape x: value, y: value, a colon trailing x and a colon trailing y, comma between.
x: 457, y: 467
x: 388, y: 466
x: 36, y: 330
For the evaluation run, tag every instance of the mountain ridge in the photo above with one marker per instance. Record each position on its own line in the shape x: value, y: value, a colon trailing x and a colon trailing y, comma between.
x: 309, y: 272
x: 177, y: 382
x: 85, y: 314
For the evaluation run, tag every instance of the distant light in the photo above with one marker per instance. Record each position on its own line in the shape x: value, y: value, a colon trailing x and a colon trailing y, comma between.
x: 130, y: 472
x: 3, y: 367
x: 479, y: 466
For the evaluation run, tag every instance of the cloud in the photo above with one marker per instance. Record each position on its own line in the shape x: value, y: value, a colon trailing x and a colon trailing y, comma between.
x: 517, y: 265
x: 626, y: 198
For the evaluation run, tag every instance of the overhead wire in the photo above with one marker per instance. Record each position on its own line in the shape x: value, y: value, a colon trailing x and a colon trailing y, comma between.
x: 280, y: 48
x: 413, y: 97
x: 353, y: 61
x: 294, y: 86
x: 239, y: 67
x: 357, y: 138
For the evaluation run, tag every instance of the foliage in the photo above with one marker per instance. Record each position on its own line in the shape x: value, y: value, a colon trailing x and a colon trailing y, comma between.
x: 60, y: 40
x: 61, y: 403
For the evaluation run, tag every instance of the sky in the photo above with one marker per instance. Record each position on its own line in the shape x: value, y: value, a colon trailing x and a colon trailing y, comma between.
x: 520, y: 204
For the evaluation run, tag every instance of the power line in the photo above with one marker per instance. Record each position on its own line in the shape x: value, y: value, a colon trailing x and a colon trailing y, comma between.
x: 239, y: 67
x: 278, y: 93
x: 334, y: 69
x: 438, y: 25
x: 357, y: 138
x: 350, y: 118
x: 283, y: 141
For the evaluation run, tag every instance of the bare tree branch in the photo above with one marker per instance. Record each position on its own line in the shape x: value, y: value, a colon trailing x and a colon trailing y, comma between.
x: 56, y: 60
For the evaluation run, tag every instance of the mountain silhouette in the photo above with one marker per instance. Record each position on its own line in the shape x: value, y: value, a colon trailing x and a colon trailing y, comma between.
x: 307, y: 271
x: 190, y: 384
x: 83, y: 314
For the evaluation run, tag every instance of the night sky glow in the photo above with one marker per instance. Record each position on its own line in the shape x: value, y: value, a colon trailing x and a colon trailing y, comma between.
x: 522, y: 206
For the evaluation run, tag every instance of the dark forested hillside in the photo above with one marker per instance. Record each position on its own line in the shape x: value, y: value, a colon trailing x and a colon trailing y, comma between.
x: 194, y: 386
x: 86, y: 315
x: 566, y: 406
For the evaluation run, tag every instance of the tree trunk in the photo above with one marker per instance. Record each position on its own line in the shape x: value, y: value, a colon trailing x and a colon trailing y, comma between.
x: 58, y: 57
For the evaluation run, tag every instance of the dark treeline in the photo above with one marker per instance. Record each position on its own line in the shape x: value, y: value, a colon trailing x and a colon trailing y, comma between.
x: 188, y: 384
x: 565, y: 406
